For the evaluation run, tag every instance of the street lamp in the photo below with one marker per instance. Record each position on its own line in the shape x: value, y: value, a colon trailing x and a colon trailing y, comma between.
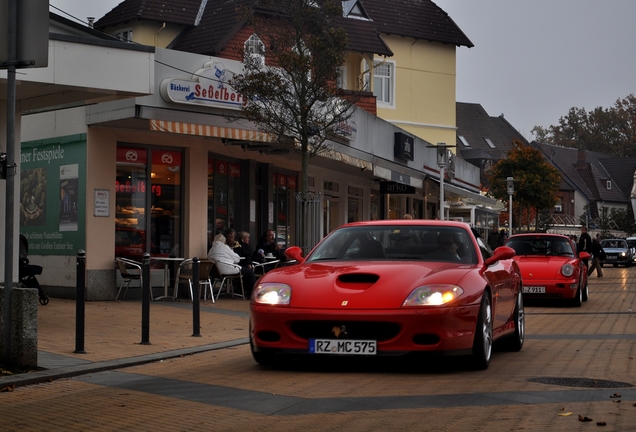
x: 511, y: 191
x: 442, y: 161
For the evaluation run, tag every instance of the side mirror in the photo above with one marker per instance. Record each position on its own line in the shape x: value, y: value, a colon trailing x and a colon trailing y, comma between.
x: 584, y: 255
x: 295, y: 253
x: 501, y: 253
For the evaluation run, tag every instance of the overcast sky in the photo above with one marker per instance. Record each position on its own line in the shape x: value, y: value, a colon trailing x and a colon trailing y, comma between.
x: 532, y: 61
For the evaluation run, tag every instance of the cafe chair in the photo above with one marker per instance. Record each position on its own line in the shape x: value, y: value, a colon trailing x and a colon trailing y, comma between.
x: 184, y: 274
x: 125, y: 265
x: 261, y: 268
x: 227, y: 280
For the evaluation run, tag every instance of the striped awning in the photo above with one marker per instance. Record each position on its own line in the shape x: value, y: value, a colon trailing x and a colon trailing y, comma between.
x: 208, y: 131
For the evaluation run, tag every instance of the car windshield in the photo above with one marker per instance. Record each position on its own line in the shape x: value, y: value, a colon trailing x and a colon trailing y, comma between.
x: 614, y: 244
x: 543, y: 246
x: 373, y: 242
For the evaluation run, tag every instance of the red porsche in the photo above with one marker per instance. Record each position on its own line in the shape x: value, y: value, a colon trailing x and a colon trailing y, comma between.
x: 391, y: 287
x: 550, y: 267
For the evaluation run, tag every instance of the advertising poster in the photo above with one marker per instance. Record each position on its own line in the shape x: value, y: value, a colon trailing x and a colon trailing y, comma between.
x: 52, y: 197
x: 68, y: 197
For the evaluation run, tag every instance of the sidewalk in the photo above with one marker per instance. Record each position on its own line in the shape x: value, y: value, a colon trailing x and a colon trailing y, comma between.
x: 112, y: 335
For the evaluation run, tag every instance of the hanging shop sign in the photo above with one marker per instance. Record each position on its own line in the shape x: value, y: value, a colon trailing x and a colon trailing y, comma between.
x: 208, y: 87
x: 403, y: 147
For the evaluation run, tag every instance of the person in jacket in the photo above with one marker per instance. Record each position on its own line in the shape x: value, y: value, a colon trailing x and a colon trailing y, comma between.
x: 494, y: 239
x: 597, y: 253
x: 268, y: 250
x: 223, y: 255
x: 585, y: 244
x: 242, y: 248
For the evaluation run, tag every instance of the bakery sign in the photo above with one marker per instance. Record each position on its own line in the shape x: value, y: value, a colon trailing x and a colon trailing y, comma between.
x: 208, y: 87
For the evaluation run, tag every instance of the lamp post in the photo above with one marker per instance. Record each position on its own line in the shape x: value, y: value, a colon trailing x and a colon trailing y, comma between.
x: 511, y: 191
x: 442, y: 161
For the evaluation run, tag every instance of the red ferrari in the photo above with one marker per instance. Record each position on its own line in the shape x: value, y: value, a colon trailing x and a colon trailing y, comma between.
x: 390, y: 287
x: 550, y: 267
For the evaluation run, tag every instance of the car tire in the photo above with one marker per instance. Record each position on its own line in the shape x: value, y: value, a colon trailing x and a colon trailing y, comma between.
x: 586, y: 291
x: 577, y: 301
x: 515, y: 341
x: 482, y: 344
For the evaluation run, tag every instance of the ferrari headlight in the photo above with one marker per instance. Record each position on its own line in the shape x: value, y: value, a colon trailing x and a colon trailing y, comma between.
x: 433, y: 295
x: 272, y: 294
x: 567, y: 270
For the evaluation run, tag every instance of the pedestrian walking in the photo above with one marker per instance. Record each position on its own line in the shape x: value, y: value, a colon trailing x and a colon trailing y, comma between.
x: 597, y: 254
x: 494, y: 239
x: 585, y: 244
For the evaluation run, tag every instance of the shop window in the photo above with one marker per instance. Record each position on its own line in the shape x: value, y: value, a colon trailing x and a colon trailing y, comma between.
x: 148, y: 183
x: 374, y: 210
x: 331, y: 186
x: 396, y: 204
x: 224, y: 195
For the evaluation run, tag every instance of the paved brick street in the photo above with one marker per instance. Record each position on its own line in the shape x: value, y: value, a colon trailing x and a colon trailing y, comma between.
x: 180, y: 382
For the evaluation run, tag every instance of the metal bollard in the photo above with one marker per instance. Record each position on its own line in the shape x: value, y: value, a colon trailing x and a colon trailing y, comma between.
x: 196, y: 296
x: 145, y: 300
x: 80, y: 302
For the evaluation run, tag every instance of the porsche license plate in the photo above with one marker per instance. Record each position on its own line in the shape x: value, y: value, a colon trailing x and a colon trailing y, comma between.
x: 533, y: 290
x: 341, y: 346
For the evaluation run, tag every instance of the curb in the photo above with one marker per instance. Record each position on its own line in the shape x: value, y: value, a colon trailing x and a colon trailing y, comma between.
x: 38, y: 377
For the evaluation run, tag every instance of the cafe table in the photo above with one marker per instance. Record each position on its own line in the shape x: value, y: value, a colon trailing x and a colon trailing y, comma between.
x: 166, y: 272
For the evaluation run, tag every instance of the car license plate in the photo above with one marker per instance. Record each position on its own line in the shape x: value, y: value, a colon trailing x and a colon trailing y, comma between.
x: 343, y: 346
x: 533, y: 290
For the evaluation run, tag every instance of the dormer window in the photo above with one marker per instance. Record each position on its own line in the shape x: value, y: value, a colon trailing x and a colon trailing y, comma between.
x: 463, y: 140
x: 353, y: 9
x: 255, y: 49
x: 490, y: 143
x: 608, y: 185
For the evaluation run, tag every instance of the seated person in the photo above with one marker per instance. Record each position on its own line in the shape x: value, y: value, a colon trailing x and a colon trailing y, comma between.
x: 243, y: 249
x: 224, y: 255
x: 246, y: 263
x: 267, y: 247
x: 448, y: 244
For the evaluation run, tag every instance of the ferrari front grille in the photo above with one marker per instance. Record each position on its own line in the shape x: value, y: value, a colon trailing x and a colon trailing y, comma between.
x: 372, y: 330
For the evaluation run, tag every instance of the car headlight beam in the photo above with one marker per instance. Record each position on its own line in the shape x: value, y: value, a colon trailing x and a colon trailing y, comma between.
x: 272, y: 294
x: 433, y: 295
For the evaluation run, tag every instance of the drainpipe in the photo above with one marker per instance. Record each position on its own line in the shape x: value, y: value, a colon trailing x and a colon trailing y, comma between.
x: 157, y: 35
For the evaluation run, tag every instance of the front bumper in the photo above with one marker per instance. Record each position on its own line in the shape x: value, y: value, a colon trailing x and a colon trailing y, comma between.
x: 562, y: 289
x: 396, y: 331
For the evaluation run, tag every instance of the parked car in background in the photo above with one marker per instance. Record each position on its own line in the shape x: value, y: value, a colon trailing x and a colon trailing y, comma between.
x: 617, y: 252
x: 550, y: 267
x: 390, y: 287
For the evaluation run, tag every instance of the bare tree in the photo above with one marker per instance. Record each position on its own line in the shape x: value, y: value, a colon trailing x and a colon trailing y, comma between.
x: 293, y: 94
